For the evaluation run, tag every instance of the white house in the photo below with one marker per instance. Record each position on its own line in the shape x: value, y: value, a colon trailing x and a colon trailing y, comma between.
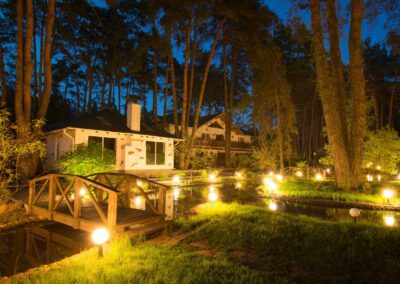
x: 210, y: 136
x: 137, y: 146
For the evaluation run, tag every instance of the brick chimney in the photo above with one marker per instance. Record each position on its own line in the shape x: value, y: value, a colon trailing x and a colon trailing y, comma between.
x: 133, y: 114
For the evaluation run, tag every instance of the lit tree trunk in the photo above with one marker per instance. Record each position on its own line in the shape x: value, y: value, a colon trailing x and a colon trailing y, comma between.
x: 227, y: 106
x: 28, y: 62
x: 279, y: 131
x: 166, y: 94
x: 185, y: 94
x: 357, y: 85
x: 155, y: 87
x: 201, y: 96
x: 173, y: 87
x: 390, y: 122
x: 3, y: 84
x: 192, y: 74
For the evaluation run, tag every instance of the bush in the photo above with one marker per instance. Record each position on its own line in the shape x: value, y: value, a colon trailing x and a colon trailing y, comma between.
x: 203, y: 160
x: 87, y: 160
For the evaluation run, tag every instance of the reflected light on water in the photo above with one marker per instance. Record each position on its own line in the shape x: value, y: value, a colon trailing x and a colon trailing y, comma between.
x: 389, y: 220
x: 273, y: 206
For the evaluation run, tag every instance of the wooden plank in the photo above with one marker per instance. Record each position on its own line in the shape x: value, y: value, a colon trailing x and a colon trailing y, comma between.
x: 148, y: 201
x: 52, y: 197
x: 65, y: 191
x: 112, y: 211
x: 65, y: 197
x: 77, y: 202
x: 31, y: 197
x: 98, y: 208
x: 162, y: 194
x: 40, y: 191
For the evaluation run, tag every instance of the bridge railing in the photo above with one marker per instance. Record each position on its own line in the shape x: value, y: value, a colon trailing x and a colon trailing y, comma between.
x: 52, y: 190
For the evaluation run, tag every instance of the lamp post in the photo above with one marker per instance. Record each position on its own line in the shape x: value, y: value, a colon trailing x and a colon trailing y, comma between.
x: 388, y: 194
x: 355, y: 213
x: 99, y: 237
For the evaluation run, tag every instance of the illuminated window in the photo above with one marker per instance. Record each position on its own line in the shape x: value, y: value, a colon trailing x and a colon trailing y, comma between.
x: 155, y: 153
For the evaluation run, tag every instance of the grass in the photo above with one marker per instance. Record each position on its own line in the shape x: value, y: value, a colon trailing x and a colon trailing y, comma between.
x: 125, y: 262
x: 303, y: 188
x: 304, y: 248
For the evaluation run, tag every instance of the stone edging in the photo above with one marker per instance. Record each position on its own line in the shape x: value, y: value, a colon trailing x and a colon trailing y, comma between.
x: 14, y: 224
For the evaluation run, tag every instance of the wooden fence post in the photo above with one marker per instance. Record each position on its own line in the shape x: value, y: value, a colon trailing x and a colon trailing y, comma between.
x: 52, y: 196
x: 31, y: 197
x: 77, y: 203
x: 162, y: 193
x: 112, y: 211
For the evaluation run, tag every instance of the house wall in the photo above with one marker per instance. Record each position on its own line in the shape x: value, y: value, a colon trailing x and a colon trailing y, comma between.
x: 130, y: 149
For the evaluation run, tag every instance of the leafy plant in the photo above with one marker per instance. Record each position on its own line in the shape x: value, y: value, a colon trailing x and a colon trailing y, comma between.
x: 87, y: 159
x: 203, y: 160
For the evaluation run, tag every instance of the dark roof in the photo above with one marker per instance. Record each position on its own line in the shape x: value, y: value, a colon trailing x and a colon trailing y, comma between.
x: 202, y: 119
x: 107, y: 121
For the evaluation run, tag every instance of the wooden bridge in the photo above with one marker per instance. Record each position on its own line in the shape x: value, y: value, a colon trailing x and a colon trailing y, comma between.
x: 117, y: 201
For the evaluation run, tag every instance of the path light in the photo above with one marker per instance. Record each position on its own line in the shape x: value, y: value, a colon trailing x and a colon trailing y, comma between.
x: 388, y: 194
x: 212, y: 188
x: 369, y: 164
x: 212, y: 196
x: 139, y: 183
x: 267, y: 181
x: 379, y: 177
x: 82, y: 191
x: 328, y: 170
x: 212, y: 177
x: 176, y: 193
x: 299, y: 174
x: 99, y: 237
x: 138, y: 201
x: 176, y: 179
x: 389, y: 220
x: 318, y: 176
x: 370, y: 178
x: 238, y: 175
x: 271, y: 174
x: 272, y: 206
x: 273, y: 186
x: 239, y: 185
x: 355, y: 213
x: 378, y: 167
x: 279, y: 177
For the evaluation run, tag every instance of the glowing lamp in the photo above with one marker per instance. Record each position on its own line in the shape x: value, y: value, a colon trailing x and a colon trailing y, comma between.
x: 370, y: 178
x: 176, y: 193
x: 267, y: 181
x: 139, y: 183
x: 99, y: 237
x: 271, y: 174
x: 212, y: 177
x: 212, y: 188
x: 318, y: 176
x: 378, y: 167
x: 273, y: 206
x: 212, y: 196
x: 239, y: 185
x: 369, y: 164
x: 299, y: 174
x: 389, y: 220
x: 355, y: 213
x: 138, y: 201
x: 238, y: 175
x: 82, y: 191
x: 328, y: 170
x: 398, y: 176
x: 388, y: 193
x: 379, y: 177
x: 176, y: 179
x: 279, y: 177
x: 273, y: 186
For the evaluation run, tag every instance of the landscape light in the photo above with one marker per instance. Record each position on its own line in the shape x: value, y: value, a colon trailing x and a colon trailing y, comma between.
x: 369, y: 164
x: 176, y: 193
x: 389, y: 220
x: 239, y: 185
x: 138, y: 201
x: 299, y: 173
x: 176, y: 179
x: 318, y: 176
x: 212, y: 196
x: 212, y: 177
x: 355, y: 213
x: 212, y: 188
x: 279, y: 177
x: 271, y: 174
x: 139, y: 183
x: 388, y: 194
x: 379, y: 177
x: 378, y: 167
x: 370, y: 178
x: 398, y: 176
x: 266, y: 181
x: 273, y: 206
x: 99, y: 237
x: 82, y: 191
x: 328, y: 170
x: 273, y: 186
x: 238, y: 175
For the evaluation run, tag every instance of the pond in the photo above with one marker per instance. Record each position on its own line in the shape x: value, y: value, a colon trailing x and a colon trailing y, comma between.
x: 32, y: 246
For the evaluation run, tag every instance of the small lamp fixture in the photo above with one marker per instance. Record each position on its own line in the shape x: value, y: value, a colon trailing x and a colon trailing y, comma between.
x: 139, y: 183
x: 355, y: 213
x: 212, y: 177
x: 212, y: 196
x: 176, y: 179
x: 239, y: 185
x: 82, y: 191
x: 138, y: 201
x: 389, y: 220
x: 388, y: 194
x: 318, y: 176
x: 238, y: 175
x: 299, y: 174
x: 328, y: 170
x: 99, y: 237
x: 176, y: 193
x: 279, y: 177
x: 272, y: 206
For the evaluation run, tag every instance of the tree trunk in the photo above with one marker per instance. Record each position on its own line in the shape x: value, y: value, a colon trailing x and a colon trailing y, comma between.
x: 390, y: 122
x: 166, y: 94
x: 45, y: 98
x: 185, y: 85
x: 155, y: 88
x: 227, y: 106
x: 357, y: 85
x: 28, y: 62
x: 279, y: 132
x: 192, y: 74
x: 173, y: 87
x: 3, y: 83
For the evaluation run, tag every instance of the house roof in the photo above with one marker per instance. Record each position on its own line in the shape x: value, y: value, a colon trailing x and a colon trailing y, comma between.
x: 108, y: 121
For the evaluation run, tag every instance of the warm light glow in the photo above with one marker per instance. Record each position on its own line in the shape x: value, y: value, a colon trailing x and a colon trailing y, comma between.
x: 212, y: 196
x: 379, y: 177
x: 238, y: 175
x: 328, y: 170
x: 369, y: 164
x: 388, y: 193
x: 279, y: 177
x: 370, y: 178
x: 273, y: 206
x: 176, y: 193
x: 212, y: 188
x: 100, y: 236
x: 176, y: 179
x: 239, y: 185
x: 318, y: 176
x: 82, y: 191
x: 266, y: 181
x: 398, y: 176
x: 138, y: 201
x: 273, y: 186
x: 389, y: 220
x: 139, y: 183
x: 212, y: 177
x: 378, y: 167
x: 299, y: 173
x: 271, y: 174
x: 354, y: 212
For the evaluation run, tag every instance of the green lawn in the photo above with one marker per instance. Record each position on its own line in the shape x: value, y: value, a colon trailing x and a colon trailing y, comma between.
x: 254, y: 245
x: 326, y: 190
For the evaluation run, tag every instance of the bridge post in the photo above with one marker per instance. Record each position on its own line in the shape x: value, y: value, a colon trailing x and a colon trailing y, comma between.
x: 52, y: 196
x: 77, y: 203
x: 31, y: 197
x: 162, y: 193
x: 112, y: 211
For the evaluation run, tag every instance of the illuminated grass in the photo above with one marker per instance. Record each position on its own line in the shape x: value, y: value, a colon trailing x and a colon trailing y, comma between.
x: 305, y: 248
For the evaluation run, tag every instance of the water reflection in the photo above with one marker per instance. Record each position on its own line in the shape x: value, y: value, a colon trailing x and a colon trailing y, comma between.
x: 37, y: 245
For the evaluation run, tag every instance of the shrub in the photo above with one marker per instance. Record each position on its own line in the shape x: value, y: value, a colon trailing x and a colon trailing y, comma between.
x: 203, y: 160
x: 87, y: 160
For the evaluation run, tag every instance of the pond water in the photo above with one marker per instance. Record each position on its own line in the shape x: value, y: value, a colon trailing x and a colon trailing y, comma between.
x: 32, y: 246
